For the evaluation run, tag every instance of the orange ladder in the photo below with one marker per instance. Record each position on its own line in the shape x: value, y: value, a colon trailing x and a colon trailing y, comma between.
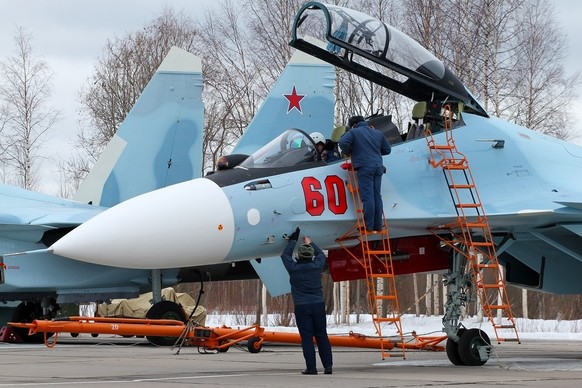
x: 471, y: 235
x: 376, y: 259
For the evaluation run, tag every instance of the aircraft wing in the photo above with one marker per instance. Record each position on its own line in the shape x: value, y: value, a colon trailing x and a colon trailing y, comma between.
x: 573, y: 205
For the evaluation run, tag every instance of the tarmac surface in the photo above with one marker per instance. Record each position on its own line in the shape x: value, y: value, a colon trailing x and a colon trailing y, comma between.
x: 132, y: 362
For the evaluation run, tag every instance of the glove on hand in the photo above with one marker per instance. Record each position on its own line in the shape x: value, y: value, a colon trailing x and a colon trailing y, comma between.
x: 294, y: 235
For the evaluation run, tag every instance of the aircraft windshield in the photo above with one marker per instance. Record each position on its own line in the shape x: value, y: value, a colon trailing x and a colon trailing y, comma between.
x: 291, y: 148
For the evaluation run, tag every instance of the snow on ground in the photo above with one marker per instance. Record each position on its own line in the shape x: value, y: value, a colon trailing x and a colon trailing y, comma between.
x: 422, y: 325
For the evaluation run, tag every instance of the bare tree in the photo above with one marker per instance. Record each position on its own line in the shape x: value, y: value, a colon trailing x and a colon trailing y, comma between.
x: 122, y: 72
x: 25, y: 117
x: 542, y: 88
x: 245, y: 52
x: 229, y: 76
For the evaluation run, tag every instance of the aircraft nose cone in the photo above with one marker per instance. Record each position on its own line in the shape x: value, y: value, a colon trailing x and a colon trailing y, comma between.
x: 181, y: 225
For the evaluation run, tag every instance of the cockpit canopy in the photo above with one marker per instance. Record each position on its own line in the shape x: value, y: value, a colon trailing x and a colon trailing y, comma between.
x: 291, y: 148
x: 378, y: 52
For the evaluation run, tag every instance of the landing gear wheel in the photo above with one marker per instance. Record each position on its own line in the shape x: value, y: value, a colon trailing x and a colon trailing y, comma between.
x: 165, y: 310
x: 254, y: 345
x: 452, y: 349
x: 74, y: 335
x: 26, y: 313
x: 469, y: 345
x: 94, y: 335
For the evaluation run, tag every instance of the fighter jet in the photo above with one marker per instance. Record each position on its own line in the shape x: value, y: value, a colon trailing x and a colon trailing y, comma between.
x: 158, y: 145
x: 526, y: 183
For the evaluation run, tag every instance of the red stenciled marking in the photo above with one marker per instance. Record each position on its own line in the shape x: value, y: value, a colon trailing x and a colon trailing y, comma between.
x: 315, y: 202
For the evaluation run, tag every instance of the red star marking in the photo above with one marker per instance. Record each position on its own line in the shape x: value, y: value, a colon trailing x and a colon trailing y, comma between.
x: 294, y: 100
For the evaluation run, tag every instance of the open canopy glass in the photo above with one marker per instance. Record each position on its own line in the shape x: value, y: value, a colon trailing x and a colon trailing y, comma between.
x: 378, y: 52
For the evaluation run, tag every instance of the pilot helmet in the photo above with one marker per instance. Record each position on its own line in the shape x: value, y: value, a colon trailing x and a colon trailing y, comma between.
x: 305, y: 253
x: 317, y: 138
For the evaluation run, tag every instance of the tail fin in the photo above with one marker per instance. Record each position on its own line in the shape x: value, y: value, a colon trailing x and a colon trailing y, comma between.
x: 301, y: 98
x: 160, y: 141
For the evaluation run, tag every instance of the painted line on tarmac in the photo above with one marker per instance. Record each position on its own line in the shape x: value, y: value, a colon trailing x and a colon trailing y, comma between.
x: 143, y: 380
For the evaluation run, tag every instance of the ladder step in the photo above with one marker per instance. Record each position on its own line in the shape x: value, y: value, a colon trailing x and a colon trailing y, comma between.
x: 504, y: 326
x: 496, y: 307
x: 462, y: 224
x: 455, y: 166
x: 482, y: 243
x: 381, y: 276
x: 378, y: 319
x: 380, y: 252
x: 442, y: 147
x: 489, y: 286
x: 385, y: 297
x: 463, y: 186
x: 378, y: 232
x: 468, y: 205
x: 509, y: 340
x: 475, y: 224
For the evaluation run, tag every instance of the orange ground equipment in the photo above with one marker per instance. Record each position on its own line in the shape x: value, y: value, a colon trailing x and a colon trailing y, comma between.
x: 209, y: 339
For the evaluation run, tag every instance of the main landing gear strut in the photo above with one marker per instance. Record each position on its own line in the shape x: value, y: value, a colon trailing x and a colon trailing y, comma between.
x: 464, y: 346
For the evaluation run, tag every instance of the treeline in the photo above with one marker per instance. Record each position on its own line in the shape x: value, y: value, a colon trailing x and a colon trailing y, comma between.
x: 243, y: 298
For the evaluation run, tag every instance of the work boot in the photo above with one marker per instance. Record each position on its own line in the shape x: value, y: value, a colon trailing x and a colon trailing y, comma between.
x: 309, y: 372
x: 327, y: 371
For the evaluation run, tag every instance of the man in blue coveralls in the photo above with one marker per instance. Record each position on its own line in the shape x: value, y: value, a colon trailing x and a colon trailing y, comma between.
x: 307, y: 293
x: 366, y: 146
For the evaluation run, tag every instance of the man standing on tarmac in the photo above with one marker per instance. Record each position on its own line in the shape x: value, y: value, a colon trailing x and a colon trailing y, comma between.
x: 366, y: 146
x: 307, y: 293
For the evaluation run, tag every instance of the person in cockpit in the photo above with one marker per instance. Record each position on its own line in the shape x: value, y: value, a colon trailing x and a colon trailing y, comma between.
x: 319, y: 141
x: 328, y: 150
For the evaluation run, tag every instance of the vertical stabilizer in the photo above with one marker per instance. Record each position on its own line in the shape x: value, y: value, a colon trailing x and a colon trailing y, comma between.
x: 301, y: 98
x: 160, y: 141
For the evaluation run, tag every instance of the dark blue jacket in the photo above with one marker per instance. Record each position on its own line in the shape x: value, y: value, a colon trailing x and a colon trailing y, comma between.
x: 305, y: 278
x: 365, y: 144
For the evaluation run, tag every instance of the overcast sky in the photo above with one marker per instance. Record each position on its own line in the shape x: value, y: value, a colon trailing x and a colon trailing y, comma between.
x: 70, y: 36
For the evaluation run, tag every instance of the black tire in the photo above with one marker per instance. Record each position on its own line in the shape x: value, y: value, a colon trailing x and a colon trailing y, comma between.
x: 452, y: 349
x: 165, y: 310
x: 94, y: 335
x: 26, y: 313
x: 469, y: 344
x: 74, y: 335
x: 223, y: 350
x: 253, y: 345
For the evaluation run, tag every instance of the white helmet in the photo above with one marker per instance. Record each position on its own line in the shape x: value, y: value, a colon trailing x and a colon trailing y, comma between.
x: 317, y: 137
